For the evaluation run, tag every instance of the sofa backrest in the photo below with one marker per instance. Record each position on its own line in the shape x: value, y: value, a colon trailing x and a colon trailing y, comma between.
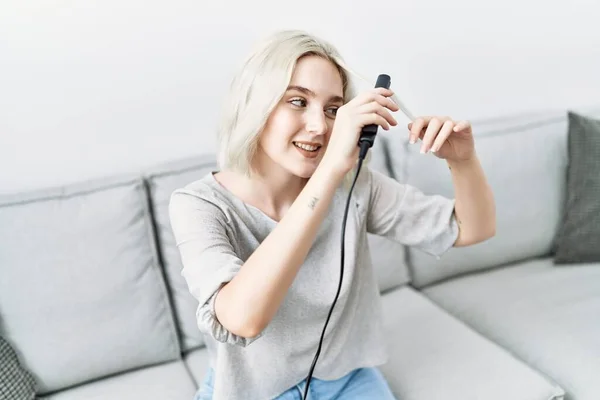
x: 82, y: 294
x: 162, y: 181
x: 525, y: 158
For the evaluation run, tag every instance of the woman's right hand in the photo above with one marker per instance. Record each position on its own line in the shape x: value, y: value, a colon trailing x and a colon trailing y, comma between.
x: 370, y: 107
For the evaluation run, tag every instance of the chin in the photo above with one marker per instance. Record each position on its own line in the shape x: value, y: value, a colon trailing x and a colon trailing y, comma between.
x: 301, y: 168
x: 303, y: 171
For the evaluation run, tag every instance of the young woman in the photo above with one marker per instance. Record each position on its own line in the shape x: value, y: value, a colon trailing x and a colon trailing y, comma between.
x: 260, y: 238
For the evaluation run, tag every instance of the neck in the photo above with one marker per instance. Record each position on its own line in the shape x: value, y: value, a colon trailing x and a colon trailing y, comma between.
x: 274, y: 187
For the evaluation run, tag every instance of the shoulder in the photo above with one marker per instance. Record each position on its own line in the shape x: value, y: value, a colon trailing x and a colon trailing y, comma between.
x: 373, y: 184
x: 198, y: 189
x: 370, y: 179
x: 197, y: 197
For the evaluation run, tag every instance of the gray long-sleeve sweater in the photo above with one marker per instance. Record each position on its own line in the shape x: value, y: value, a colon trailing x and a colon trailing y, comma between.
x: 216, y: 232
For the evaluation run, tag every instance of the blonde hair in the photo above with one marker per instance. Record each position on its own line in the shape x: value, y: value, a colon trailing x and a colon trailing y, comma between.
x: 258, y: 87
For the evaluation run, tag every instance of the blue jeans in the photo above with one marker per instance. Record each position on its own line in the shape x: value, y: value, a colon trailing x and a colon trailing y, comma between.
x: 360, y: 384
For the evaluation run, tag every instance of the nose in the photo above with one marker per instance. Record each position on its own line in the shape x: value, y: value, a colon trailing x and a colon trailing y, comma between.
x: 316, y: 122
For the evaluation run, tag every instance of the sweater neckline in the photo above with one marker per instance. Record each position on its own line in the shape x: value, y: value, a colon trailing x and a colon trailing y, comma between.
x: 215, y: 183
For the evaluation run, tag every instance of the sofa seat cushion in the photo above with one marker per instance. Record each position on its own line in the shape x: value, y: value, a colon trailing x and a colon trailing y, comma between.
x: 435, y: 356
x: 169, y: 381
x: 547, y: 316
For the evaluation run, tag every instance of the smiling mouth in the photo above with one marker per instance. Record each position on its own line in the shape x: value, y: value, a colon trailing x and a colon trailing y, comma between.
x: 306, y: 147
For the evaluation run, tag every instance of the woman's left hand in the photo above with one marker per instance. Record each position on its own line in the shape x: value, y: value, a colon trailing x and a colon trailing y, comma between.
x: 444, y: 137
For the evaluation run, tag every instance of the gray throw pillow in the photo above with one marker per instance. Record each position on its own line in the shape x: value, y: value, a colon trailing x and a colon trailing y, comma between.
x: 578, y: 237
x: 16, y: 383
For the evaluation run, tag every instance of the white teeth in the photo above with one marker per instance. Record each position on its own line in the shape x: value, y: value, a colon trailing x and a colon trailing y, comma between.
x: 306, y: 147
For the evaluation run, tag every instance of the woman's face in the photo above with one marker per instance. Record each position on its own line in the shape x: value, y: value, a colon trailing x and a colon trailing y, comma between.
x: 303, y: 118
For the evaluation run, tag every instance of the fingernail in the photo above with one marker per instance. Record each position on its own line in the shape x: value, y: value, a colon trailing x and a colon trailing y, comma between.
x: 412, y: 140
x: 423, y: 150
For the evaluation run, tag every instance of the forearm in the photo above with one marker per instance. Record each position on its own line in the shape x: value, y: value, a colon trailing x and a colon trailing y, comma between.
x: 475, y: 206
x: 246, y: 305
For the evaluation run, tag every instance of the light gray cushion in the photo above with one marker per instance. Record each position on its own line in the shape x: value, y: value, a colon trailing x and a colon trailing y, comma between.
x: 547, y: 316
x: 197, y: 362
x: 81, y: 290
x: 169, y: 381
x: 15, y: 381
x: 578, y: 238
x: 525, y: 163
x: 435, y: 356
x: 162, y: 181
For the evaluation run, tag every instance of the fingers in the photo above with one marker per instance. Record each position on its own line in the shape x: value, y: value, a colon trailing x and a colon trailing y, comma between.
x: 441, y: 137
x: 415, y: 129
x: 373, y: 118
x: 380, y: 95
x: 372, y: 107
x: 382, y: 92
x: 435, y: 131
x: 376, y: 107
x: 461, y: 126
x: 432, y: 130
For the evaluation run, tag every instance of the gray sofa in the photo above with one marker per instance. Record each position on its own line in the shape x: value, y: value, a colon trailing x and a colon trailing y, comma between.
x: 92, y: 300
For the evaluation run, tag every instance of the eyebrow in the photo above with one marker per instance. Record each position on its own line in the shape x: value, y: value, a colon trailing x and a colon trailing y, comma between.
x: 311, y: 93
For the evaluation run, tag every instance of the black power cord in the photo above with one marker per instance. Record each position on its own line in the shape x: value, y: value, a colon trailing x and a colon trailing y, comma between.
x: 367, y: 138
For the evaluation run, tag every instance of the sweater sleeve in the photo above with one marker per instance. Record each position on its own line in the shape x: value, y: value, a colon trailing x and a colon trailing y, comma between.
x: 405, y: 214
x: 208, y: 258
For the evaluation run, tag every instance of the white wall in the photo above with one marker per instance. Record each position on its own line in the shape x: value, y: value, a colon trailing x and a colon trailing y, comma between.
x: 89, y: 88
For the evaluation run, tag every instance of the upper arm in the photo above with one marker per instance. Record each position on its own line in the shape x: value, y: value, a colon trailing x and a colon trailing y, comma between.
x: 207, y: 255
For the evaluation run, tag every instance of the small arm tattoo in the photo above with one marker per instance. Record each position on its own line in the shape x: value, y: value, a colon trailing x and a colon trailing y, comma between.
x: 313, y: 203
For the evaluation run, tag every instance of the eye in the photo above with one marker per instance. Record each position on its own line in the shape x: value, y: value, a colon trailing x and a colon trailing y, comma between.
x: 332, y: 110
x: 298, y: 102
